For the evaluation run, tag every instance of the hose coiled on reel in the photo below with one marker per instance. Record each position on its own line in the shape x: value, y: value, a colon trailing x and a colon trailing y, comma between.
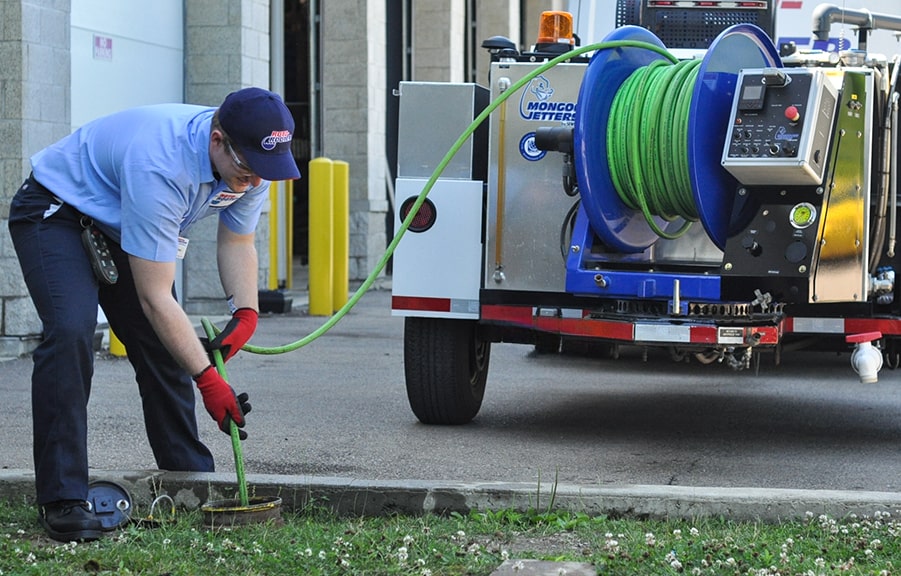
x: 647, y: 143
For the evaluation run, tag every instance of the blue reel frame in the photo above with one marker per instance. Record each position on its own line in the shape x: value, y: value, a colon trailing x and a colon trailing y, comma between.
x: 623, y: 231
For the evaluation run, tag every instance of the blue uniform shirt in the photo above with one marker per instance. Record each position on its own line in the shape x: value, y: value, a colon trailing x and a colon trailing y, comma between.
x: 145, y: 175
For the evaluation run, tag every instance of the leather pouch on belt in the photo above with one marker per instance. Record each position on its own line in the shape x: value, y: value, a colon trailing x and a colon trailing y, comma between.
x: 98, y: 252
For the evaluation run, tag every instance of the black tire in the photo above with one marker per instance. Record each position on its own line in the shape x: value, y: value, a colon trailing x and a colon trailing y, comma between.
x: 446, y: 367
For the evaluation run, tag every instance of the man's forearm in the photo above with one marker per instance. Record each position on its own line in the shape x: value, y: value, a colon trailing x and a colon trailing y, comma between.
x: 175, y: 331
x: 238, y: 269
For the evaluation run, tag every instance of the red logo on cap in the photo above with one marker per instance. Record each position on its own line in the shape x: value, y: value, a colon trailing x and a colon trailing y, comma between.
x: 277, y: 137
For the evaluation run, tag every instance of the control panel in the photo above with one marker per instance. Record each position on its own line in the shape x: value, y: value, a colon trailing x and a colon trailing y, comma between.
x: 780, y: 127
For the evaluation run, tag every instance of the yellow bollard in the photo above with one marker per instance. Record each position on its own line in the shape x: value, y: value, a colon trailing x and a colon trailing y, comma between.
x: 321, y: 237
x: 340, y: 233
x: 274, y: 229
x: 116, y: 347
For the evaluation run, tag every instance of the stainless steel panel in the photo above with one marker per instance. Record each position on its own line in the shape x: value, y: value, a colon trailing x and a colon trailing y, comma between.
x: 526, y: 202
x: 840, y: 267
x: 431, y: 117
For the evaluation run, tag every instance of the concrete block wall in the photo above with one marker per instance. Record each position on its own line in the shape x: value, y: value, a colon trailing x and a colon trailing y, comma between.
x: 353, y: 116
x: 494, y: 18
x: 438, y: 40
x: 227, y: 48
x: 34, y: 112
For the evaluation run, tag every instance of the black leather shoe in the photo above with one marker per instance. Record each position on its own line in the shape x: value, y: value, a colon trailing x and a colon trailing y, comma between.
x: 70, y: 520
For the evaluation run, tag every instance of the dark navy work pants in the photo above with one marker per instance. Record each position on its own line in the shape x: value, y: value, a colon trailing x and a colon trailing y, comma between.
x: 66, y: 294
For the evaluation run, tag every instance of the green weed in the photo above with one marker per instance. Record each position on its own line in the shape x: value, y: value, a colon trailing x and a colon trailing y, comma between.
x: 316, y: 542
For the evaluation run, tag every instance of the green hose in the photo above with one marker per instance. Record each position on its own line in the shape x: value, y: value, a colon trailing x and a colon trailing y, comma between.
x: 647, y: 143
x: 233, y: 428
x: 439, y: 169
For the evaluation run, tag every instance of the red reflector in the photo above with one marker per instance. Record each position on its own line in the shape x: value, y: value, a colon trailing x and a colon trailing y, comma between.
x: 424, y: 218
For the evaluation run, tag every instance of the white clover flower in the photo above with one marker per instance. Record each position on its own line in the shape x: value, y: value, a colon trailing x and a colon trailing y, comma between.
x: 408, y: 540
x: 505, y: 555
x: 344, y: 563
x: 402, y: 554
x: 322, y: 555
x: 730, y: 561
x: 694, y: 532
x: 677, y: 534
x: 31, y: 558
x: 676, y: 565
x: 19, y: 532
x: 166, y: 541
x: 819, y: 562
x: 308, y: 552
x: 650, y: 539
x: 425, y: 572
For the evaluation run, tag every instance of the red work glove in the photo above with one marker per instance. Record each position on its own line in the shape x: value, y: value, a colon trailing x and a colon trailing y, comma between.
x: 220, y: 400
x: 236, y: 334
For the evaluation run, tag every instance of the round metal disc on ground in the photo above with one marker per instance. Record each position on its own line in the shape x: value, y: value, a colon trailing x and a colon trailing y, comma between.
x: 110, y: 502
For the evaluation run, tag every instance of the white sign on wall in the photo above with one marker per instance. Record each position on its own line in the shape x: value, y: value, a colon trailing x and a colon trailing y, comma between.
x: 103, y: 47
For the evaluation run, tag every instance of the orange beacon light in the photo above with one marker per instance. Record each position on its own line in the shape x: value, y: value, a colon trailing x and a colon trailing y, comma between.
x: 555, y: 27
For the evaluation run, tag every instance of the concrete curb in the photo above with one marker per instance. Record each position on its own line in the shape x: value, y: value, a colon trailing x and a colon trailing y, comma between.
x: 356, y: 497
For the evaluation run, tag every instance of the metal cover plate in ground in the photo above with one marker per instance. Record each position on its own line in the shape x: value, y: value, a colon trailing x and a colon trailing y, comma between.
x: 110, y: 503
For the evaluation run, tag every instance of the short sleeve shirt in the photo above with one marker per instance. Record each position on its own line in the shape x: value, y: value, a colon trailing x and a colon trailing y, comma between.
x: 144, y: 175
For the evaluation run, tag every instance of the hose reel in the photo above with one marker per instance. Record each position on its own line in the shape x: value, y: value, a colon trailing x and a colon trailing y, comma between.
x: 615, y: 213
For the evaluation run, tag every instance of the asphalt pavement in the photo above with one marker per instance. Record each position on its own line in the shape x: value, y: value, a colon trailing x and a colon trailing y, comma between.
x: 361, y: 496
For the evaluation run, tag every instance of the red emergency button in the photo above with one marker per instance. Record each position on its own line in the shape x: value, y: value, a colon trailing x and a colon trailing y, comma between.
x: 792, y: 114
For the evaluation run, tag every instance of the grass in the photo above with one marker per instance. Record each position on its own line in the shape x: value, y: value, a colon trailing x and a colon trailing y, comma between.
x: 314, y: 541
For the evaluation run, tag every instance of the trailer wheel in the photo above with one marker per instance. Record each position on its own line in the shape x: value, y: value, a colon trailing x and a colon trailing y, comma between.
x: 892, y: 354
x: 446, y: 367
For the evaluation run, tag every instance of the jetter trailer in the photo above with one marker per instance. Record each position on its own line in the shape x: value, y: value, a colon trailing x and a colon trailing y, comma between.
x: 719, y: 197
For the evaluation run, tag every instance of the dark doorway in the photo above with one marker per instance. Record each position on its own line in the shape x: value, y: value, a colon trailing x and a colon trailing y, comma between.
x: 299, y: 75
x: 398, y: 57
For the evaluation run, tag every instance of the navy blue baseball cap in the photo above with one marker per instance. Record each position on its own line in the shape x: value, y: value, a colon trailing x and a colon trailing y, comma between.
x: 261, y: 127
